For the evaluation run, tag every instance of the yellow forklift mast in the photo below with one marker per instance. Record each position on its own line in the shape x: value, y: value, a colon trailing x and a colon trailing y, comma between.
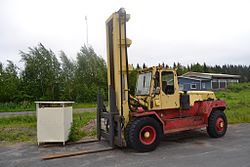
x: 117, y: 60
x: 117, y: 113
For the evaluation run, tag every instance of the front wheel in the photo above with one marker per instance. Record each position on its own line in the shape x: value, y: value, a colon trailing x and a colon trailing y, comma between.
x: 217, y: 124
x: 144, y: 134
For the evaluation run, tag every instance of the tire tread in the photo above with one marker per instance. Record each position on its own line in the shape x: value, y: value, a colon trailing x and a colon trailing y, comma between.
x: 134, y: 131
x: 211, y: 129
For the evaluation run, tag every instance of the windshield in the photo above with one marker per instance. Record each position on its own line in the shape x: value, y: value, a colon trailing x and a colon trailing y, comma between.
x: 143, y: 84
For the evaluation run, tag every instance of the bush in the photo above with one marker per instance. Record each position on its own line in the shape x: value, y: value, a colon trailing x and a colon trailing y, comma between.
x: 80, y: 120
x: 76, y: 133
x: 238, y: 87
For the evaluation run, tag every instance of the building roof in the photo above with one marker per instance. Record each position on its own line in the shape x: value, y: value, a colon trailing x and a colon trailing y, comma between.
x: 210, y: 75
x: 195, y: 78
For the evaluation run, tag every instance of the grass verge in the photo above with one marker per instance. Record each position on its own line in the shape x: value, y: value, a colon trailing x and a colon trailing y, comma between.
x: 14, y: 107
x: 237, y: 97
x: 84, y: 105
x: 23, y: 128
x: 18, y: 129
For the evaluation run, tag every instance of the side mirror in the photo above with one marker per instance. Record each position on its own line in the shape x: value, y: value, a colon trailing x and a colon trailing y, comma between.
x: 157, y: 91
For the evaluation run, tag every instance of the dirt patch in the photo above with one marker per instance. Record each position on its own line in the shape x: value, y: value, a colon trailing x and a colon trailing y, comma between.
x: 90, y: 126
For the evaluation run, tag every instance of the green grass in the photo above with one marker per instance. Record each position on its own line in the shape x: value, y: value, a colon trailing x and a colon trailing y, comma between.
x: 18, y: 129
x: 237, y: 97
x: 87, y: 105
x: 23, y: 128
x: 14, y: 107
x: 84, y: 105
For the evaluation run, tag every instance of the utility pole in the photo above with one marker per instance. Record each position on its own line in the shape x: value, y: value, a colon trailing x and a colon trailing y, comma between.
x: 86, y: 20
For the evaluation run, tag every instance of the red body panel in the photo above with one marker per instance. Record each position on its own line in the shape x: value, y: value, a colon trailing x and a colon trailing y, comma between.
x: 175, y: 120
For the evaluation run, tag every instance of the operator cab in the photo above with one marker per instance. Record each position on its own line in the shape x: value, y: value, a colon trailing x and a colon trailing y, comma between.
x: 158, y: 88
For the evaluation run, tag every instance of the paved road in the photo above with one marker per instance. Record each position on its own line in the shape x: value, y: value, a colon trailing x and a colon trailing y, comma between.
x: 8, y: 114
x: 190, y: 149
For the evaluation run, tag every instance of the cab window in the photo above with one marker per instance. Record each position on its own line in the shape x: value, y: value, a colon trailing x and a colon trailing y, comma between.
x: 143, y: 84
x: 167, y: 82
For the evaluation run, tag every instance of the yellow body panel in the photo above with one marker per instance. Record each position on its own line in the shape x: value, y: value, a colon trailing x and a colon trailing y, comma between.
x: 200, y: 96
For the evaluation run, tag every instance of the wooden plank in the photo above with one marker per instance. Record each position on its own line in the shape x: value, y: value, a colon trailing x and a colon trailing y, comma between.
x: 69, y: 154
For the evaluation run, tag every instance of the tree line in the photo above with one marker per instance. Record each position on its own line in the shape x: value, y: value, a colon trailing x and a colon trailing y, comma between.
x: 45, y: 77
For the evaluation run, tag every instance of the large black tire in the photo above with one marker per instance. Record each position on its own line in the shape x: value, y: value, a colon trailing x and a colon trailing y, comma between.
x: 144, y: 134
x: 217, y: 124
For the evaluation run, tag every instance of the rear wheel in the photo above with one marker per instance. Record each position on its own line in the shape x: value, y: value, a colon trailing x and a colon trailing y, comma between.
x: 144, y: 134
x: 217, y: 124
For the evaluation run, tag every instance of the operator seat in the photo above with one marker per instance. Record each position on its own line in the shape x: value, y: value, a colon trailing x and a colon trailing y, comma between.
x: 167, y: 89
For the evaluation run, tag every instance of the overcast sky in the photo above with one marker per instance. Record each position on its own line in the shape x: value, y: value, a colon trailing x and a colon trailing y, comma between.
x: 185, y: 31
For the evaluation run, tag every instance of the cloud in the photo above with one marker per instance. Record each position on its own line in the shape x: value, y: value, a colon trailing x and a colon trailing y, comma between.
x: 215, y: 32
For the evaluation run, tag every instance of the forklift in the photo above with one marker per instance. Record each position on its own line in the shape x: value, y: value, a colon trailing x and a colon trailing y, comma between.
x: 158, y: 107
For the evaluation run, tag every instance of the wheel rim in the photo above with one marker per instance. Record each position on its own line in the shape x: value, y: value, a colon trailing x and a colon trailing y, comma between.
x: 147, y: 135
x: 220, y: 125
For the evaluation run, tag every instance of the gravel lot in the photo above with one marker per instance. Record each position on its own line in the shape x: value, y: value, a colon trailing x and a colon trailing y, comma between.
x: 193, y: 148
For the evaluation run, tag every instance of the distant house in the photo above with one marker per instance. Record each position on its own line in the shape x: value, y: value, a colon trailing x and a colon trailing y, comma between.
x: 206, y: 81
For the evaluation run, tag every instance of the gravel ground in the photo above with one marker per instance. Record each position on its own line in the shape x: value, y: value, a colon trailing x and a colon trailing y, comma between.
x: 193, y: 148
